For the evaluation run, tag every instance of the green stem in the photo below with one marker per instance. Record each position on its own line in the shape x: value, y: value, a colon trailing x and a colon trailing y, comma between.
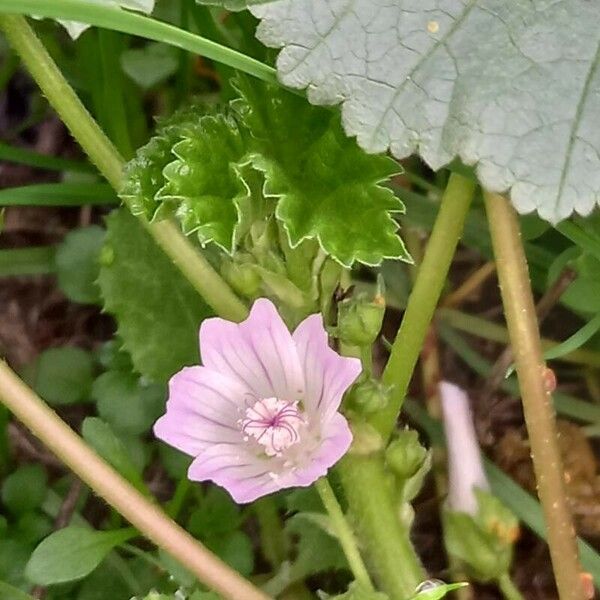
x: 272, y: 537
x: 424, y: 297
x: 391, y: 556
x: 103, y: 154
x: 519, y: 310
x: 344, y: 533
x: 177, y: 501
x: 508, y: 588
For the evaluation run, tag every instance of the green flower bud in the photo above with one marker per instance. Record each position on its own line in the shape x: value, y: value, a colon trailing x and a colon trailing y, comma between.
x: 360, y: 319
x: 242, y: 277
x: 484, y: 541
x: 405, y: 455
x: 369, y: 396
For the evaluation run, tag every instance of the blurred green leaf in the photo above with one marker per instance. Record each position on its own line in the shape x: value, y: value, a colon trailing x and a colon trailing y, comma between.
x: 24, y: 490
x: 235, y: 549
x: 151, y: 64
x: 102, y: 438
x: 8, y: 592
x: 62, y: 375
x: 77, y: 265
x: 217, y: 514
x: 72, y: 553
x: 129, y: 405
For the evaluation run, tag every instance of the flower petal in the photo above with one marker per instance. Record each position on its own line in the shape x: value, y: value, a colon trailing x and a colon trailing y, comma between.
x: 259, y: 353
x: 327, y: 374
x: 335, y: 442
x: 203, y: 409
x: 245, y: 476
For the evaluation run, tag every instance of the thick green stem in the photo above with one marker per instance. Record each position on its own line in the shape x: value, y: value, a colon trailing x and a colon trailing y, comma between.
x: 344, y: 533
x: 105, y: 156
x: 391, y: 556
x: 107, y: 483
x: 508, y: 588
x: 519, y: 310
x: 424, y: 297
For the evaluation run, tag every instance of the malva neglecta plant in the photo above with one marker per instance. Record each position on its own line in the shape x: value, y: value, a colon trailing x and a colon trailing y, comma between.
x: 248, y: 271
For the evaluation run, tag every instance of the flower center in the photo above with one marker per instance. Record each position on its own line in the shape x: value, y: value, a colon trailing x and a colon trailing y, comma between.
x: 274, y: 423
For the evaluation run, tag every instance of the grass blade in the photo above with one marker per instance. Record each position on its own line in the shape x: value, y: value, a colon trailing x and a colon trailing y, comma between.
x: 59, y: 194
x: 42, y: 161
x: 27, y: 261
x: 146, y: 27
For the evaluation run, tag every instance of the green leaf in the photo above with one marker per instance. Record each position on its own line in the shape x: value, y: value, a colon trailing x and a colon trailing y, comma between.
x: 216, y: 515
x: 62, y: 375
x: 157, y: 310
x: 8, y: 592
x: 150, y: 65
x: 327, y: 187
x: 13, y: 558
x: 77, y: 264
x: 103, y: 439
x: 317, y: 551
x: 129, y: 405
x: 435, y: 590
x: 204, y: 183
x: 235, y: 549
x: 72, y: 553
x: 24, y: 490
x: 509, y: 87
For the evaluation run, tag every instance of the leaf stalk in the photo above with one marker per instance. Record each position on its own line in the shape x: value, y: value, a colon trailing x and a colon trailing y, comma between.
x: 519, y: 310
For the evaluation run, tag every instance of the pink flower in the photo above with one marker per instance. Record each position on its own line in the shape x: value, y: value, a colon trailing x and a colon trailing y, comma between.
x: 465, y: 466
x: 262, y: 413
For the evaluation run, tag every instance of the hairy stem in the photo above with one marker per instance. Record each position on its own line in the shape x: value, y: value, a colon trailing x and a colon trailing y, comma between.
x: 344, y: 533
x: 519, y: 310
x: 391, y: 555
x: 424, y: 297
x: 104, y: 155
x: 108, y: 484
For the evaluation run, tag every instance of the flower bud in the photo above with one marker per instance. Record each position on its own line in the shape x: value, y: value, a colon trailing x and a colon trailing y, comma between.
x: 405, y: 455
x: 360, y: 319
x: 465, y: 467
x: 242, y: 277
x: 369, y: 396
x: 478, y: 529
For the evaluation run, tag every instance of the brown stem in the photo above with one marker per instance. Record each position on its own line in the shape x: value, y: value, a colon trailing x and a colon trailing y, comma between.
x: 542, y: 309
x: 107, y: 483
x: 522, y: 324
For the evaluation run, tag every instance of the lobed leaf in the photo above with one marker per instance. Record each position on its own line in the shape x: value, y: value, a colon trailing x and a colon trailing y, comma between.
x: 327, y: 188
x: 157, y: 310
x: 511, y: 87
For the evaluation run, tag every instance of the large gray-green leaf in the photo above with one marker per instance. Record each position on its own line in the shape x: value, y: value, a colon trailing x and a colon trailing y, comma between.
x: 511, y: 87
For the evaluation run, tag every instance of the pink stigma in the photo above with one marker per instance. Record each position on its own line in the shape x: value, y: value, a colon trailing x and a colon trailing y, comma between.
x: 274, y: 423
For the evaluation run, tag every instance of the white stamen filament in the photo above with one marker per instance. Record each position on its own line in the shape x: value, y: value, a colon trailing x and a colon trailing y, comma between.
x: 273, y: 423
